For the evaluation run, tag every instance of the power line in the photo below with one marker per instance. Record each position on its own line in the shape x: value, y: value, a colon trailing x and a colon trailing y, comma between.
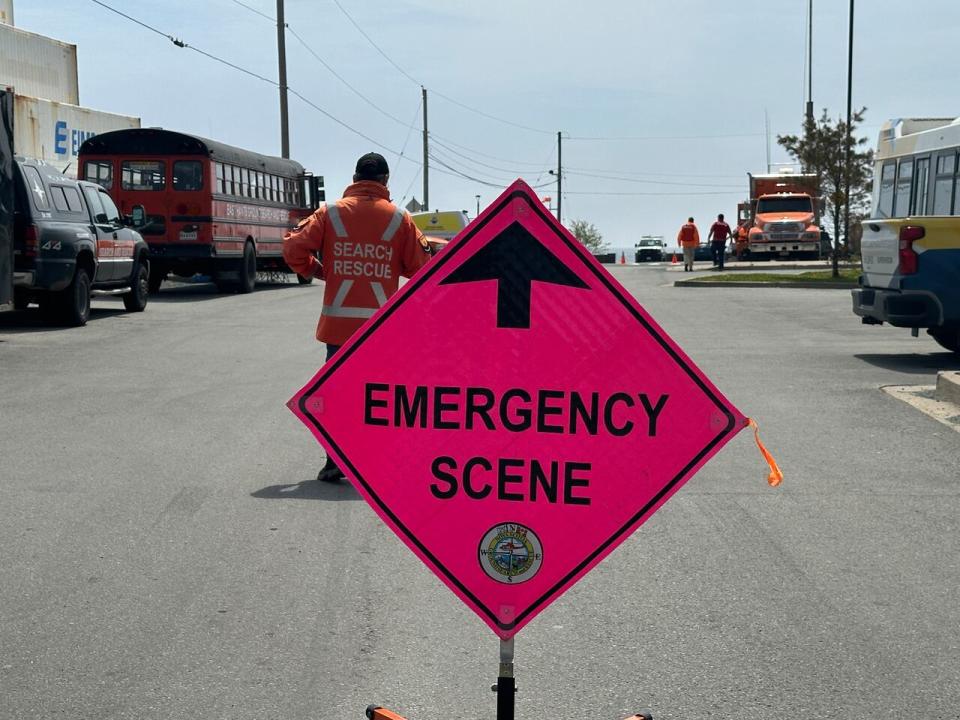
x: 467, y: 158
x: 432, y: 91
x: 341, y: 79
x: 602, y: 138
x: 375, y: 46
x: 274, y: 83
x: 677, y: 194
x: 646, y: 182
x: 254, y: 10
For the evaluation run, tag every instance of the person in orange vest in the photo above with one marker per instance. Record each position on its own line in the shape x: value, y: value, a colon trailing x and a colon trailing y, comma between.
x: 742, y: 240
x: 365, y: 243
x: 688, y: 238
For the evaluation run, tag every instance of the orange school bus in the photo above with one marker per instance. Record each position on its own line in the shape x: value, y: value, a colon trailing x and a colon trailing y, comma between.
x: 210, y: 208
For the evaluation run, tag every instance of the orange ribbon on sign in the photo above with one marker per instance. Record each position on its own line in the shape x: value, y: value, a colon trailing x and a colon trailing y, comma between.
x: 776, y: 475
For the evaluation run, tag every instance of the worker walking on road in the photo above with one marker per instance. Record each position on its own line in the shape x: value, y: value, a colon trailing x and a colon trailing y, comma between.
x: 365, y: 243
x: 688, y: 238
x: 719, y: 232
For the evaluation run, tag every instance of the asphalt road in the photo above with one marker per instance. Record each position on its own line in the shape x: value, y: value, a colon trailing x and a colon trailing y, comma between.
x: 165, y: 552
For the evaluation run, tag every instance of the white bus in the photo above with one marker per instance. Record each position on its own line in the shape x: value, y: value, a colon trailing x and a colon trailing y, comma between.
x: 911, y: 243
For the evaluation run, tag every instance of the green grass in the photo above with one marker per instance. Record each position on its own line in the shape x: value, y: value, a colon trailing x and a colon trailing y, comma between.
x: 849, y: 275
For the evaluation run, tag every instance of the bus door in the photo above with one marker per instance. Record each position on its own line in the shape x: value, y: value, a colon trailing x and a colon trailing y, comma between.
x: 312, y: 190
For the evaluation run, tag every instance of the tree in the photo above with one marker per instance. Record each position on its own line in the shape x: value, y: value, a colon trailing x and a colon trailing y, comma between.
x: 822, y: 151
x: 588, y: 235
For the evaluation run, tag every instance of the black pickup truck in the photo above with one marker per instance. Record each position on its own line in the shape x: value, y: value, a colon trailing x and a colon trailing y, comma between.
x: 70, y: 242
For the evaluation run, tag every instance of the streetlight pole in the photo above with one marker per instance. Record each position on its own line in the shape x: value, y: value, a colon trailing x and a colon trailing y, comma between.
x: 846, y: 209
x: 478, y: 206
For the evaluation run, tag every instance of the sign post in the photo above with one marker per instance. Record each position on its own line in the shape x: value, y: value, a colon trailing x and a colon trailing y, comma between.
x: 513, y: 414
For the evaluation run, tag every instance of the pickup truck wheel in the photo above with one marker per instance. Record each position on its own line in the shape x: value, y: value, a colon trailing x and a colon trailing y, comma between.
x: 248, y: 269
x: 947, y: 338
x: 75, y: 300
x: 20, y: 302
x: 136, y: 299
x: 301, y: 280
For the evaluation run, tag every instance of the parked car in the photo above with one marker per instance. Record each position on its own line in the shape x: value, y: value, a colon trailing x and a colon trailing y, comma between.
x: 649, y: 249
x: 703, y: 252
x: 70, y: 242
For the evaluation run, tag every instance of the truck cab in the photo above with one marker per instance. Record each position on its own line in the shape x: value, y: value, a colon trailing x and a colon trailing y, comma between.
x: 70, y: 242
x: 783, y: 216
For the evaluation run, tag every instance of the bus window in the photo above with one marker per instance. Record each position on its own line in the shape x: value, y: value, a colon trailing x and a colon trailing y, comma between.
x: 943, y: 184
x: 887, y: 177
x: 273, y: 188
x: 901, y: 200
x: 100, y: 172
x: 187, y: 175
x: 218, y: 168
x: 919, y: 206
x: 230, y: 177
x: 143, y: 175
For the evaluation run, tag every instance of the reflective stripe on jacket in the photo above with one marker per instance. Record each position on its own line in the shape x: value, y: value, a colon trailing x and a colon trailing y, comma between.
x: 688, y: 236
x: 365, y: 244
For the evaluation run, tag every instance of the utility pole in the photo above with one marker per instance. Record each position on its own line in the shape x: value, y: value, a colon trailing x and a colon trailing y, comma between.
x: 846, y: 209
x: 766, y: 127
x: 559, y: 175
x: 810, y: 68
x: 426, y: 160
x: 282, y: 58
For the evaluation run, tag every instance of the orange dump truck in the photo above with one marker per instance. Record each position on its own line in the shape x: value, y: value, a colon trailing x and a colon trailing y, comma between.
x: 782, y: 216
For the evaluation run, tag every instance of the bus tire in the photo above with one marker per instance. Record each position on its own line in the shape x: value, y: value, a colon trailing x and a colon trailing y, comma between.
x: 136, y: 299
x: 248, y: 269
x: 74, y: 302
x: 947, y: 338
x: 301, y: 280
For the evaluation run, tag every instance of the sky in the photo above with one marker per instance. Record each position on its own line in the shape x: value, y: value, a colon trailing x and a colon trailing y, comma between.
x: 661, y: 105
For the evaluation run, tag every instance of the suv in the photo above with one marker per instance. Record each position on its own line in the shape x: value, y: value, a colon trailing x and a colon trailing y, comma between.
x: 69, y: 241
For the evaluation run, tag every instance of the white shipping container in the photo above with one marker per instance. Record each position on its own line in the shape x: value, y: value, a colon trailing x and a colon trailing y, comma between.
x: 38, y: 66
x: 54, y: 132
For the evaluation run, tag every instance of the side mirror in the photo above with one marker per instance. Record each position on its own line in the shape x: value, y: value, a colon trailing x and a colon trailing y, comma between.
x: 138, y: 216
x: 101, y: 219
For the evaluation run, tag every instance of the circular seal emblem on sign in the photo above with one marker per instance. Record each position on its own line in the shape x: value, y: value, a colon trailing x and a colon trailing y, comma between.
x: 510, y: 553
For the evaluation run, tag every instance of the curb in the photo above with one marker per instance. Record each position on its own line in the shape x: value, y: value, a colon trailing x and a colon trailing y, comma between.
x: 736, y: 283
x: 948, y: 387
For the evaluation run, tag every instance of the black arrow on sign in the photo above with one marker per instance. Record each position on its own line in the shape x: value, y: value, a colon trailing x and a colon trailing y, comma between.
x: 514, y: 258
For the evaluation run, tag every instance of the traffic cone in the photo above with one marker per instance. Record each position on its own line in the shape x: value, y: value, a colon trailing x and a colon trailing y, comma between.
x: 623, y: 258
x: 673, y: 260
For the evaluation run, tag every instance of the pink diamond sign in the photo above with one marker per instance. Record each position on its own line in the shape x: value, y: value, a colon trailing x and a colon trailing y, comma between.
x: 513, y: 414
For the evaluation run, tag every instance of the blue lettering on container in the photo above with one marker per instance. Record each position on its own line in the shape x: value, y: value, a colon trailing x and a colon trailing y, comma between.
x: 60, y: 137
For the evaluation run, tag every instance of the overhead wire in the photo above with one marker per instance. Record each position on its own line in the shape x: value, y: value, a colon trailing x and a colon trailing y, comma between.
x: 567, y: 171
x: 274, y: 83
x: 351, y: 87
x: 432, y: 90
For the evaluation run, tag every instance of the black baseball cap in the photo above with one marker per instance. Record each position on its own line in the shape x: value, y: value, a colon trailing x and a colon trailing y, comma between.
x: 371, y: 166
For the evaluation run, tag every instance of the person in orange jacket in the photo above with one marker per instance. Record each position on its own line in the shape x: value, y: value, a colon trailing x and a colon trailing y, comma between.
x: 689, y: 239
x: 742, y: 240
x: 365, y: 244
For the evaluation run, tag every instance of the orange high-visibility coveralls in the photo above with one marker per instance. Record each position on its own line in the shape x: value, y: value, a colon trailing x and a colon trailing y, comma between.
x: 365, y: 243
x: 741, y: 240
